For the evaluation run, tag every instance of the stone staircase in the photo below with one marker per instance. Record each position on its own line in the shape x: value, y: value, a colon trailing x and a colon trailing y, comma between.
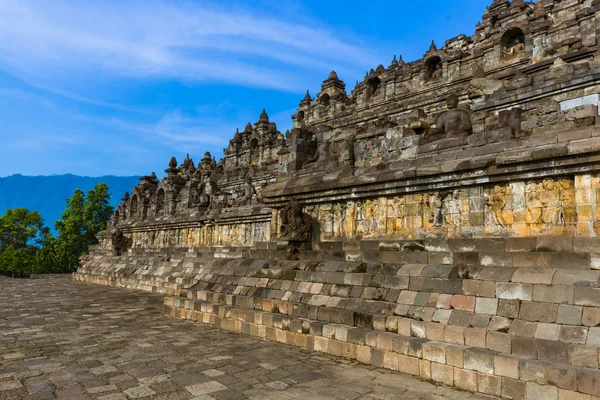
x: 515, y: 318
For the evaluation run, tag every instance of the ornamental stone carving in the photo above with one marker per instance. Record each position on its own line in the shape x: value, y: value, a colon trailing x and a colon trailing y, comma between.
x: 295, y: 225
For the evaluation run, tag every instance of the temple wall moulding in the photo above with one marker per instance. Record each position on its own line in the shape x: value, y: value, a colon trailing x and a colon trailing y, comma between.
x: 565, y: 206
x: 243, y: 234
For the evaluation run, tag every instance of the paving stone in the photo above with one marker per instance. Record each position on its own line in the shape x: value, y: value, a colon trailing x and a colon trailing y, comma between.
x: 184, y: 360
x: 139, y: 392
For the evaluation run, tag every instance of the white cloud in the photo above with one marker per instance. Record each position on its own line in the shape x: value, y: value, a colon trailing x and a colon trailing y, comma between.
x: 173, y: 40
x: 180, y: 128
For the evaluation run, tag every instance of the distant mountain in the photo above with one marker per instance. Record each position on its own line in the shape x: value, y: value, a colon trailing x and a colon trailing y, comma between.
x: 48, y: 194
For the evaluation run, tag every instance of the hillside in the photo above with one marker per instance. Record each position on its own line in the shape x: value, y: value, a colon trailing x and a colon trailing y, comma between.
x: 48, y: 194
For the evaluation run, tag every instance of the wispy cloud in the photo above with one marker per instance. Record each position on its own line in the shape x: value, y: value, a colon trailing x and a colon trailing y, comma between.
x: 183, y: 40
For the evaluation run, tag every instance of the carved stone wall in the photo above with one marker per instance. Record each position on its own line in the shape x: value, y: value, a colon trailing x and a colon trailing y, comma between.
x: 565, y: 206
x: 214, y: 235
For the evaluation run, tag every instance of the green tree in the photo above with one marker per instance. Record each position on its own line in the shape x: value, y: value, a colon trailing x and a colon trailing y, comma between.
x: 96, y: 212
x: 22, y: 234
x: 27, y: 247
x: 81, y: 221
x: 71, y: 230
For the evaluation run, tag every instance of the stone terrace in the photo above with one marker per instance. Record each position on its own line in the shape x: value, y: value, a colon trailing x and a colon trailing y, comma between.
x: 60, y: 339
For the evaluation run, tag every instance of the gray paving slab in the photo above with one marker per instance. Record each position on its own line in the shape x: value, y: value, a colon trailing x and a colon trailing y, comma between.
x: 60, y: 339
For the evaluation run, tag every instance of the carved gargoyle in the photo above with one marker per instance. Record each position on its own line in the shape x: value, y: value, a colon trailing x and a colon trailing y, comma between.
x: 295, y: 225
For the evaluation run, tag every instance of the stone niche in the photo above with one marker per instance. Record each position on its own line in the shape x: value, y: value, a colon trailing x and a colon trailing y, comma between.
x: 554, y: 206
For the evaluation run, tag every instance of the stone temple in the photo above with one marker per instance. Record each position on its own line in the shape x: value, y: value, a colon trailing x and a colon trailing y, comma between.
x: 442, y: 219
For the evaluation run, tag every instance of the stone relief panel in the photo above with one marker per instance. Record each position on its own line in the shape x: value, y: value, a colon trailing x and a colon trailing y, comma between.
x: 587, y: 202
x: 525, y: 208
x: 215, y: 235
x: 370, y: 151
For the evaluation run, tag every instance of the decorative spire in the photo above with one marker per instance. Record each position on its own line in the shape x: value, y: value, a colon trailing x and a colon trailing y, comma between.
x: 334, y: 83
x: 263, y: 116
x: 380, y: 69
x: 172, y: 167
x: 433, y: 47
x: 248, y: 128
x: 400, y: 60
x: 395, y: 60
x: 125, y: 196
x: 306, y: 100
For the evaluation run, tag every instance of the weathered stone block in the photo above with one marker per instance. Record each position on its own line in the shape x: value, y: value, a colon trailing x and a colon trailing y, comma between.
x: 591, y: 317
x: 408, y: 365
x: 479, y: 360
x: 514, y: 291
x: 535, y: 391
x: 442, y: 373
x: 583, y: 356
x: 553, y: 351
x: 489, y: 384
x: 588, y: 381
x: 525, y: 347
x: 569, y: 315
x: 538, y: 312
x: 562, y: 376
x: 508, y: 308
x: 486, y: 306
x: 532, y: 371
x: 513, y: 389
x: 505, y: 365
x: 465, y: 379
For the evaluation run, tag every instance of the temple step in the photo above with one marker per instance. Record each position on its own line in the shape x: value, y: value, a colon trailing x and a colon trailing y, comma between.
x: 483, y: 370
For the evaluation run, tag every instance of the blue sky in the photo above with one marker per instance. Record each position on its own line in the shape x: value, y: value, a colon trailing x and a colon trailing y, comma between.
x: 117, y: 87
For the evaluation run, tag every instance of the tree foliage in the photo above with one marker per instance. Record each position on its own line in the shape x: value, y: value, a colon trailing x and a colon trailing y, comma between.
x: 27, y: 247
x: 22, y: 234
x: 96, y: 212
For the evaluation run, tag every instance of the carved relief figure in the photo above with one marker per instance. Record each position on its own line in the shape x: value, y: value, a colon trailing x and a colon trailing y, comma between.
x: 550, y: 198
x: 496, y: 203
x: 454, y: 121
x: 360, y: 218
x: 451, y: 210
x: 369, y: 217
x: 432, y: 210
x: 395, y: 216
x: 534, y: 204
x: 567, y: 200
x: 339, y: 211
x: 350, y: 220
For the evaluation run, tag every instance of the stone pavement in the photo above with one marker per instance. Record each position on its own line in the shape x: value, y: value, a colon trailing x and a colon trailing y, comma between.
x: 60, y: 339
